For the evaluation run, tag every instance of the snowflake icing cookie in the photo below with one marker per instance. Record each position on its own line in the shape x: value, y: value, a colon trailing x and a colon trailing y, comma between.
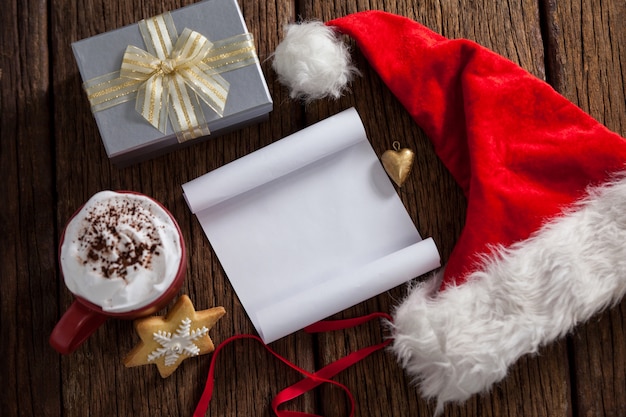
x: 167, y: 341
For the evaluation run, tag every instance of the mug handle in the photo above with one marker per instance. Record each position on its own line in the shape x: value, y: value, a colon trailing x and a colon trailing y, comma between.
x: 75, y: 326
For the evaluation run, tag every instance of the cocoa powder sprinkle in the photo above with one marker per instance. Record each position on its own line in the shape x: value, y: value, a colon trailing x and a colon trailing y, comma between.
x: 119, y: 235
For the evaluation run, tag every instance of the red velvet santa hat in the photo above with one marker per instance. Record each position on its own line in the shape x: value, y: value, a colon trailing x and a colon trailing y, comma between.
x: 543, y: 247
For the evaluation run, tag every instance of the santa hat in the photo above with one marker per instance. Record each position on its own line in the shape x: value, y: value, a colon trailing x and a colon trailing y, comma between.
x: 544, y: 244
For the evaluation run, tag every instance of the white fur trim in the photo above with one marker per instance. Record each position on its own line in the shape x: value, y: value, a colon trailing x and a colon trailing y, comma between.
x: 462, y: 340
x: 312, y: 62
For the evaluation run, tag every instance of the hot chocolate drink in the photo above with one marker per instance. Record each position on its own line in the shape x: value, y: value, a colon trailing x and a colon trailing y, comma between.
x: 121, y: 251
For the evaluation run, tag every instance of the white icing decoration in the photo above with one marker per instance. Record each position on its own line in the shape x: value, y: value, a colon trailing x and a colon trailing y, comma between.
x: 180, y: 343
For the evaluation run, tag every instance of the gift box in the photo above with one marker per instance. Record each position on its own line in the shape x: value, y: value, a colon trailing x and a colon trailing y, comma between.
x: 172, y: 80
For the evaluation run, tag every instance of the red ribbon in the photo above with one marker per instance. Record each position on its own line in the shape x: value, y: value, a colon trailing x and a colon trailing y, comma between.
x: 311, y: 380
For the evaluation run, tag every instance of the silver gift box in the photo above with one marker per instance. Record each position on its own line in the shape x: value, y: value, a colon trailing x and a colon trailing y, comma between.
x: 126, y: 135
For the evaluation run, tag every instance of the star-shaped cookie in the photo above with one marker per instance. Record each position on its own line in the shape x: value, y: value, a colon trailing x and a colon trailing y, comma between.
x: 167, y: 341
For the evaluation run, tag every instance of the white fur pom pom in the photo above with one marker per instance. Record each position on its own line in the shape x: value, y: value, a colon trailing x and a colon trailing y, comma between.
x: 312, y: 62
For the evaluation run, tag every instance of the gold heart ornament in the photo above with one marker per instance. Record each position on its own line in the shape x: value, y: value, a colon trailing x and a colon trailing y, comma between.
x: 398, y: 163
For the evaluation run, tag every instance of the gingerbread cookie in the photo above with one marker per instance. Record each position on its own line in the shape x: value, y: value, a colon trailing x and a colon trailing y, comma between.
x: 167, y: 341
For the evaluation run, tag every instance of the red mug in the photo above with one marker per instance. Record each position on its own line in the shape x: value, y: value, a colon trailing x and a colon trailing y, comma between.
x: 83, y: 317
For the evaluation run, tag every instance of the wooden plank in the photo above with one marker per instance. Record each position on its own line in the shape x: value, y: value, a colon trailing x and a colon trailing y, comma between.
x: 94, y: 381
x: 535, y: 386
x: 588, y: 41
x: 28, y: 301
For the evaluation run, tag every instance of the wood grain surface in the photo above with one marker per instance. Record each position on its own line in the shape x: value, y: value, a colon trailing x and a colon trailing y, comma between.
x: 52, y: 160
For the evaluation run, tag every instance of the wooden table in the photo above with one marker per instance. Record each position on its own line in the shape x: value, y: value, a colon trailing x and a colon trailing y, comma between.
x: 52, y: 160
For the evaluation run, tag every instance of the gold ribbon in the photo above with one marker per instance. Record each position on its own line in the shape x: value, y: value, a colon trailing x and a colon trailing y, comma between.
x: 172, y: 75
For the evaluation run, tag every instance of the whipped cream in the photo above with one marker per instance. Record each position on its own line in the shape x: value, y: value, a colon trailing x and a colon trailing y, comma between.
x: 121, y: 251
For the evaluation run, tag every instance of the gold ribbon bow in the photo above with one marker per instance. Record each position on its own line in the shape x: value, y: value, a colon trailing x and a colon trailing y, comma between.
x: 169, y: 78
